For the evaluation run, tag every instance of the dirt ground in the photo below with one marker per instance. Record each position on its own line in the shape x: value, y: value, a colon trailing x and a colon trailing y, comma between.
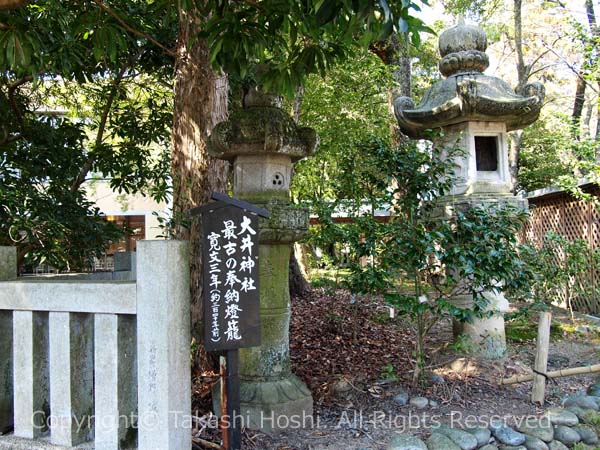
x: 346, y: 352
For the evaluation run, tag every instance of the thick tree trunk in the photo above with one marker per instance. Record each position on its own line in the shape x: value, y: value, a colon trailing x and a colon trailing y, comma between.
x: 200, y: 102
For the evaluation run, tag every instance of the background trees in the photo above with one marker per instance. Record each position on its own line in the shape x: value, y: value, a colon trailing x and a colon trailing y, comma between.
x: 81, y: 98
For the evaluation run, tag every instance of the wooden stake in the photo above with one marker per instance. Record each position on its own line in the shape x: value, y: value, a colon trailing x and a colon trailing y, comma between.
x: 541, y: 358
x: 233, y: 400
x: 554, y: 374
x: 224, y: 427
x: 231, y: 426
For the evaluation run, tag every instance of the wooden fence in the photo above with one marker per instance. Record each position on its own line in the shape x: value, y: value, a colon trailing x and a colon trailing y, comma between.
x: 560, y: 212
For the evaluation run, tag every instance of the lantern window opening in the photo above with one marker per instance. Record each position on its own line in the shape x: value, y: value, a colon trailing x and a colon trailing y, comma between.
x: 486, y: 153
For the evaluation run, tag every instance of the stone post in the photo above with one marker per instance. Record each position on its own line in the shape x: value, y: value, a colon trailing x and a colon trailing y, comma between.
x: 71, y: 338
x: 262, y: 141
x: 163, y: 346
x: 116, y: 381
x: 8, y: 271
x: 31, y: 373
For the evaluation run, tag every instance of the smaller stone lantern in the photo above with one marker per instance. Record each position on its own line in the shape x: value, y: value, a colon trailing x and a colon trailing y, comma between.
x: 475, y: 112
x: 263, y: 142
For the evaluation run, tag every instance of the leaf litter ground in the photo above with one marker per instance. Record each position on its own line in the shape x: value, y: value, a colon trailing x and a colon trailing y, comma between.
x: 346, y: 350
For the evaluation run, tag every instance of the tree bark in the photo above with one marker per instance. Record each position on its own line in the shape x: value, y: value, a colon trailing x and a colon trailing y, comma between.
x: 298, y: 282
x: 299, y: 285
x: 200, y: 102
x: 522, y: 73
x: 402, y: 60
x: 13, y: 4
x: 578, y: 106
x: 591, y: 17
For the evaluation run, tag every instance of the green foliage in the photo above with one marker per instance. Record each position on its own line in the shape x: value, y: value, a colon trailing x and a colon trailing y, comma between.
x: 80, y: 98
x: 545, y: 153
x: 465, y: 253
x: 389, y: 373
x: 346, y: 108
x: 295, y: 39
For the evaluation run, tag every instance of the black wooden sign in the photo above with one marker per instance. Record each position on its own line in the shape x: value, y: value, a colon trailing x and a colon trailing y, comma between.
x: 230, y: 270
x: 231, y: 299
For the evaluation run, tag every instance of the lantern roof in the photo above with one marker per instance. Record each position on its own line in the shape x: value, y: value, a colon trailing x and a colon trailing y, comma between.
x: 467, y: 94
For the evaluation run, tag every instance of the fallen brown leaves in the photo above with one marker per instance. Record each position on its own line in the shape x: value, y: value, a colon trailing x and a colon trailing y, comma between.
x: 331, y: 338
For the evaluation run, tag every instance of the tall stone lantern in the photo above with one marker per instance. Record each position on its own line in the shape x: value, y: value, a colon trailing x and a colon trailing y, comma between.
x: 475, y: 112
x: 263, y: 142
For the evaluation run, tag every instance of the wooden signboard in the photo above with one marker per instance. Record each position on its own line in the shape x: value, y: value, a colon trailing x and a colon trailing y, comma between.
x: 231, y: 283
x: 231, y: 293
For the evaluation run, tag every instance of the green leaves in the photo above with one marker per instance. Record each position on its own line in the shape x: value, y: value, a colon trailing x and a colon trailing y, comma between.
x: 294, y: 40
x: 80, y: 97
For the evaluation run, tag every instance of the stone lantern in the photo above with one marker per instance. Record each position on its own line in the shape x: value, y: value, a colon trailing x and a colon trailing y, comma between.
x: 263, y: 142
x: 474, y: 112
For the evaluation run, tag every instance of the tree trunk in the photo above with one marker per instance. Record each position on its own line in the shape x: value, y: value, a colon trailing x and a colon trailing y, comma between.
x: 522, y: 72
x: 200, y: 102
x: 299, y: 285
x: 578, y: 106
x: 591, y: 16
x: 402, y: 73
x: 587, y: 120
x: 298, y: 282
x: 13, y: 4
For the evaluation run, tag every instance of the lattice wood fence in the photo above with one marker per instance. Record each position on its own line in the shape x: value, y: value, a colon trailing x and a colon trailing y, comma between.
x: 574, y: 219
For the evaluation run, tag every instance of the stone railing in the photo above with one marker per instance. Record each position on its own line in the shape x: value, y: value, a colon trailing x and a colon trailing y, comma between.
x: 102, y: 362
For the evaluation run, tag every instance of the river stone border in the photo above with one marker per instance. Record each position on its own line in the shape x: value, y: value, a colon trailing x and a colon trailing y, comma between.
x: 560, y: 428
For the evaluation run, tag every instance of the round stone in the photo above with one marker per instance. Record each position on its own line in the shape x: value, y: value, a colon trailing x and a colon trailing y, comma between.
x: 587, y: 434
x: 583, y: 401
x: 507, y: 435
x: 406, y: 442
x: 438, y: 441
x: 466, y: 441
x: 401, y: 398
x: 534, y: 443
x: 566, y: 435
x: 556, y: 445
x: 541, y: 429
x: 489, y: 447
x: 559, y: 416
x: 433, y: 403
x: 419, y: 402
x: 482, y: 434
x: 434, y: 378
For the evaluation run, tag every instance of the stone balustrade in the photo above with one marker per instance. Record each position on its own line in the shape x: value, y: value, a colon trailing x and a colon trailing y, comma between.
x: 102, y: 363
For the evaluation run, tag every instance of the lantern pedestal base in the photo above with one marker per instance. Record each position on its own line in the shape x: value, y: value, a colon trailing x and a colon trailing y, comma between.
x: 486, y: 334
x: 274, y: 405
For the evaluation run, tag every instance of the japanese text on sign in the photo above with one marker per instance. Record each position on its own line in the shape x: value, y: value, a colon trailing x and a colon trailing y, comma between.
x: 231, y: 275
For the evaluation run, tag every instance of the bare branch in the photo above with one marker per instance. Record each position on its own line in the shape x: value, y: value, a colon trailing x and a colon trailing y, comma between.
x: 11, y: 139
x: 12, y: 88
x: 129, y: 28
x: 571, y: 67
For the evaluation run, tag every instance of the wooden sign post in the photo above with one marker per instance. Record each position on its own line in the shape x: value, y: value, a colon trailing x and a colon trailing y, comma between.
x: 231, y: 295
